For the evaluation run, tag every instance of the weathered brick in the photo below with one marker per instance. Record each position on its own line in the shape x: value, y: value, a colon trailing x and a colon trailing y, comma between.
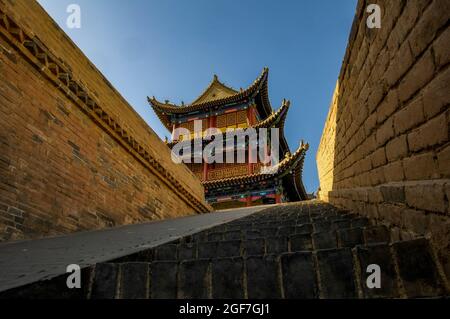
x: 441, y: 48
x: 420, y: 74
x: 415, y: 221
x: 433, y: 132
x: 400, y: 64
x: 391, y: 213
x: 443, y: 159
x: 409, y: 117
x: 377, y: 176
x: 393, y: 193
x: 397, y: 148
x: 385, y: 132
x: 421, y: 166
x: 436, y: 96
x: 388, y: 106
x: 394, y: 172
x: 426, y: 196
x: 379, y: 157
x: 432, y: 19
x: 410, y: 15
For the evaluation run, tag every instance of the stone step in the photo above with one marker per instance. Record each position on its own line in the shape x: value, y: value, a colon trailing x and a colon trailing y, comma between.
x: 261, y: 245
x: 408, y: 269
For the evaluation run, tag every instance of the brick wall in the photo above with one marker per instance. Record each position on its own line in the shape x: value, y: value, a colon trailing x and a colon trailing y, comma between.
x: 385, y: 148
x: 73, y: 154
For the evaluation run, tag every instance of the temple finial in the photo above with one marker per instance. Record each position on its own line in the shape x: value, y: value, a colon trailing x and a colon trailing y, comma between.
x: 216, y: 78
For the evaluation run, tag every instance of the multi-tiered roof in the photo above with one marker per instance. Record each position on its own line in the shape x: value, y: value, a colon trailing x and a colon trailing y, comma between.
x: 218, y: 96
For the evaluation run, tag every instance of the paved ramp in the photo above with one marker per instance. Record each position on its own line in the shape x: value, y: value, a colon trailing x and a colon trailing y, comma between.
x: 24, y: 262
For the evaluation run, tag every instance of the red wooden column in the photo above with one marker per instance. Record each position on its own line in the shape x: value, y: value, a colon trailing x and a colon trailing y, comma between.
x: 248, y: 201
x: 277, y: 198
x: 251, y: 120
x: 205, y: 171
x: 211, y: 124
x: 173, y: 130
x: 250, y: 160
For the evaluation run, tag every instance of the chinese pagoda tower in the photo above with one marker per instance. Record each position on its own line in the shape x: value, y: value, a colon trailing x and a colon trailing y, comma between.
x: 230, y: 185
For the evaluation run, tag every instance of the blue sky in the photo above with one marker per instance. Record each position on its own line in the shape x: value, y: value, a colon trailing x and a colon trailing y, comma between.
x: 171, y: 49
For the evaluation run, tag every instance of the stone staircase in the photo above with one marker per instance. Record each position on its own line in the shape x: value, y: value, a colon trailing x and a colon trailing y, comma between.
x: 301, y: 250
x: 290, y: 251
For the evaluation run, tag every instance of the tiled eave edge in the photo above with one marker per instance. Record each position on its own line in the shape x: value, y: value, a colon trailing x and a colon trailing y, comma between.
x: 60, y: 76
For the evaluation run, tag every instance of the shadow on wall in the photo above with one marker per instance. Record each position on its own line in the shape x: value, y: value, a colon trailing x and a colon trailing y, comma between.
x: 385, y: 149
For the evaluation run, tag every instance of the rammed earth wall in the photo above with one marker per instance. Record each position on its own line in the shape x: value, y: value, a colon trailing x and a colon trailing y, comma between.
x: 385, y: 147
x: 73, y: 154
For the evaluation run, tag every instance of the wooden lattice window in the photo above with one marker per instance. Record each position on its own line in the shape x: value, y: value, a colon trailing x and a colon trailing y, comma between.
x: 231, y: 119
x: 221, y: 121
x: 241, y: 117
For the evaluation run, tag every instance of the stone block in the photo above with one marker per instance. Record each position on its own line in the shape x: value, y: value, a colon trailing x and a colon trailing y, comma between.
x: 262, y: 277
x: 324, y: 240
x: 194, y: 278
x: 104, y: 284
x: 301, y: 242
x: 350, y: 237
x: 336, y: 274
x: 231, y: 248
x: 166, y: 252
x: 134, y: 280
x: 207, y: 249
x: 163, y: 282
x: 377, y: 234
x: 187, y: 251
x: 254, y: 246
x: 379, y: 255
x: 227, y: 278
x: 417, y: 269
x: 299, y: 277
x: 276, y: 245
